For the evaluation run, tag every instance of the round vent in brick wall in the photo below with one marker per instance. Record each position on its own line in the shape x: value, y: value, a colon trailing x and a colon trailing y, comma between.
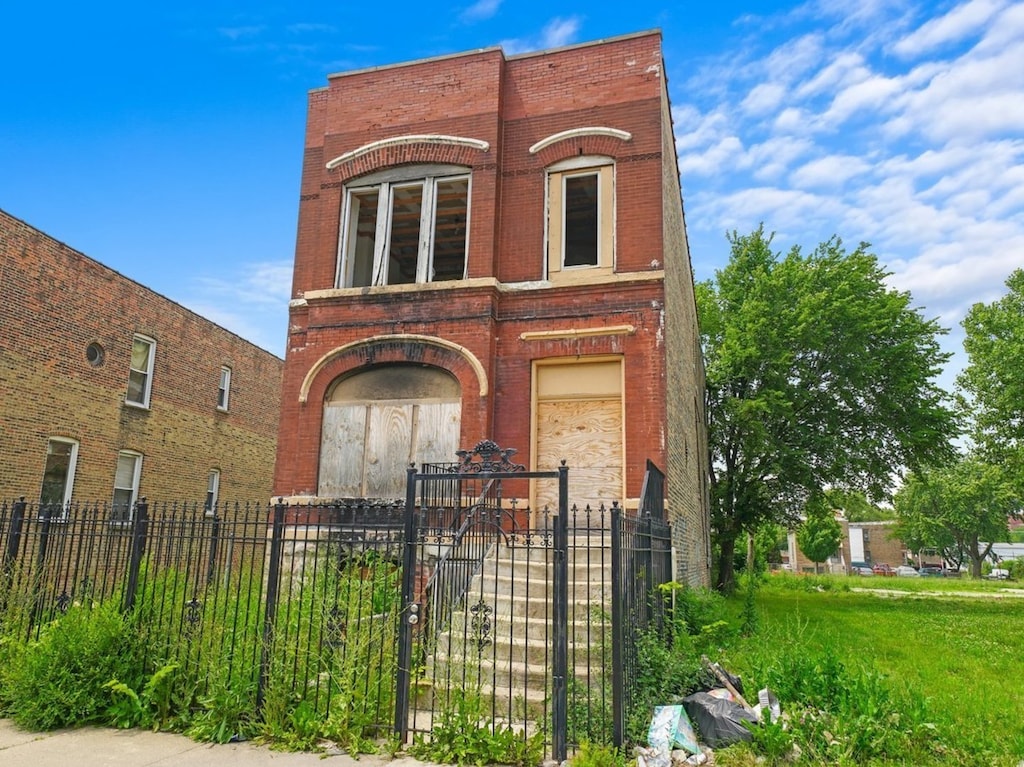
x: 94, y: 353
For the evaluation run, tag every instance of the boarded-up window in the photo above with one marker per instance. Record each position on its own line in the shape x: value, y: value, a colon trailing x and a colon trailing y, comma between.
x: 378, y: 422
x: 579, y: 419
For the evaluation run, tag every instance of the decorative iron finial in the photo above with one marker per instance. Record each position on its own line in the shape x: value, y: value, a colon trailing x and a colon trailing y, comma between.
x: 492, y: 458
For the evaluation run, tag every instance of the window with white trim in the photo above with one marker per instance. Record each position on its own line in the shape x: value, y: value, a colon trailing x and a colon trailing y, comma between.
x: 126, y: 484
x: 581, y: 215
x: 212, y: 491
x: 59, y: 472
x: 224, y: 388
x: 140, y: 374
x: 407, y: 225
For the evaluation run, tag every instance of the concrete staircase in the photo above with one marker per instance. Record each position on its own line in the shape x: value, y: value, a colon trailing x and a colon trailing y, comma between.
x: 499, y: 640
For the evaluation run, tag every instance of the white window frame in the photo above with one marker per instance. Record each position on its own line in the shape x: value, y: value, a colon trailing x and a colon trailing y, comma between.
x: 555, y: 220
x: 69, y: 480
x: 224, y: 389
x: 134, y: 488
x: 147, y: 386
x: 212, y: 492
x: 385, y: 183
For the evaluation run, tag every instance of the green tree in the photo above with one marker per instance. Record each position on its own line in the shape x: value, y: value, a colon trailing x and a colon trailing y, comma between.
x: 820, y: 533
x: 856, y: 507
x: 818, y: 375
x: 769, y: 543
x: 955, y: 508
x: 992, y: 384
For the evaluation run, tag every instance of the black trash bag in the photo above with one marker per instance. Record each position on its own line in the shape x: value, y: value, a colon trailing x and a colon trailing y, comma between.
x: 719, y: 720
x: 706, y: 679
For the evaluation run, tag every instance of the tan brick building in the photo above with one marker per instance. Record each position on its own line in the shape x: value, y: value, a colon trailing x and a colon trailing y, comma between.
x: 493, y: 247
x: 869, y: 542
x: 109, y: 391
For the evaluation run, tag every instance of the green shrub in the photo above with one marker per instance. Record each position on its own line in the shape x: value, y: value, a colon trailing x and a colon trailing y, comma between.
x: 597, y: 755
x: 60, y: 677
x: 464, y: 733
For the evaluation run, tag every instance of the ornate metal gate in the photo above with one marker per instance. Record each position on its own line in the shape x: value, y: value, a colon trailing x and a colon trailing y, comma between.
x: 468, y: 627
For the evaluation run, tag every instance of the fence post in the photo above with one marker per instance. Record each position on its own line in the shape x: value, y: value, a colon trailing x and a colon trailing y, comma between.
x: 647, y: 558
x: 273, y: 586
x: 11, y: 549
x: 560, y: 618
x: 140, y: 530
x: 408, y: 616
x: 14, y: 536
x: 619, y: 692
x: 37, y: 576
x: 211, y: 563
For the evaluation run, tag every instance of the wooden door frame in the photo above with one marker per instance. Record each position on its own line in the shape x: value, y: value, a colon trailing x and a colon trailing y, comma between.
x: 534, y: 425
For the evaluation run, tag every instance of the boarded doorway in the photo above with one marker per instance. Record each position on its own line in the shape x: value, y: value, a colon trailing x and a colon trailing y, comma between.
x: 379, y: 421
x: 578, y: 417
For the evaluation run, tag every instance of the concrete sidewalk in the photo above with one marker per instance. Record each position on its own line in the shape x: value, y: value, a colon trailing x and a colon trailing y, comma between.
x: 98, y: 747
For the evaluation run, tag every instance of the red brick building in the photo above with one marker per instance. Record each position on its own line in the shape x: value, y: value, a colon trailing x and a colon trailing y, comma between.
x: 109, y: 391
x: 493, y: 246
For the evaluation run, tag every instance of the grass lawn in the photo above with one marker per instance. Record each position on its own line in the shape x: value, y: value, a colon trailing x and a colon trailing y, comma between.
x: 963, y: 655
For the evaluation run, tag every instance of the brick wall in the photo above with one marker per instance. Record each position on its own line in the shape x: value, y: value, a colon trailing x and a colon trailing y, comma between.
x: 57, y: 301
x: 511, y: 103
x: 688, y: 471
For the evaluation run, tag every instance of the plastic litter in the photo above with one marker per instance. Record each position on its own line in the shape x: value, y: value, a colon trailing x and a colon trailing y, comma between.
x: 768, y: 704
x: 670, y: 728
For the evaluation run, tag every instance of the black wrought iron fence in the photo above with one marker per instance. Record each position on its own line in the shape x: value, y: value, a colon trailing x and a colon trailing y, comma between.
x: 301, y: 605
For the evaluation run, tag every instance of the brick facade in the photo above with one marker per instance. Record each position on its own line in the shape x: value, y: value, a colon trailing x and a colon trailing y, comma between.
x: 506, y: 122
x: 56, y: 303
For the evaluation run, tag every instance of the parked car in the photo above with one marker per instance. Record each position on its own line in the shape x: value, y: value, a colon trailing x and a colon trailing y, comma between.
x: 906, y: 571
x: 931, y: 571
x: 883, y: 569
x: 998, y: 574
x: 861, y: 568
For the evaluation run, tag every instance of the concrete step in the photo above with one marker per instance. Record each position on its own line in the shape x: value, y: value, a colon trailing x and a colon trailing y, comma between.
x: 530, y: 643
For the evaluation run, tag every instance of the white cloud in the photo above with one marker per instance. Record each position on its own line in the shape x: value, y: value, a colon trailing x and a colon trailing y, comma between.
x: 963, y: 20
x: 872, y: 93
x: 771, y: 159
x: 763, y: 98
x: 793, y: 59
x: 845, y: 68
x: 559, y: 32
x: 253, y: 303
x: 556, y: 33
x: 921, y: 155
x: 242, y: 32
x: 834, y: 170
x: 715, y: 159
x: 265, y: 283
x: 480, y: 11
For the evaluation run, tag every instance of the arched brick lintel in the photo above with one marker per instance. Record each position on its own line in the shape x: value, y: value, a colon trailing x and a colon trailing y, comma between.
x: 598, y: 146
x: 407, y: 150
x: 404, y: 347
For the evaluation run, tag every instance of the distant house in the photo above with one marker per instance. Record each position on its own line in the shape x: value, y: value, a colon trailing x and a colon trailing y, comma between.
x: 868, y: 542
x: 493, y: 247
x: 111, y: 391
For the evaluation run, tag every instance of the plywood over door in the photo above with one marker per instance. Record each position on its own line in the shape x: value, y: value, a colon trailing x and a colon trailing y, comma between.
x: 578, y: 418
x: 587, y: 434
x: 378, y: 421
x: 341, y: 451
x: 367, y: 447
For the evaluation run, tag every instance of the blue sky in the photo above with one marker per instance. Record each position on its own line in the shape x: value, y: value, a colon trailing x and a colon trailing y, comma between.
x: 165, y: 140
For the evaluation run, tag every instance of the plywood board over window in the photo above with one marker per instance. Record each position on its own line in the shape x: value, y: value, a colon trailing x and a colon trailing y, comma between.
x: 378, y: 422
x: 578, y: 417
